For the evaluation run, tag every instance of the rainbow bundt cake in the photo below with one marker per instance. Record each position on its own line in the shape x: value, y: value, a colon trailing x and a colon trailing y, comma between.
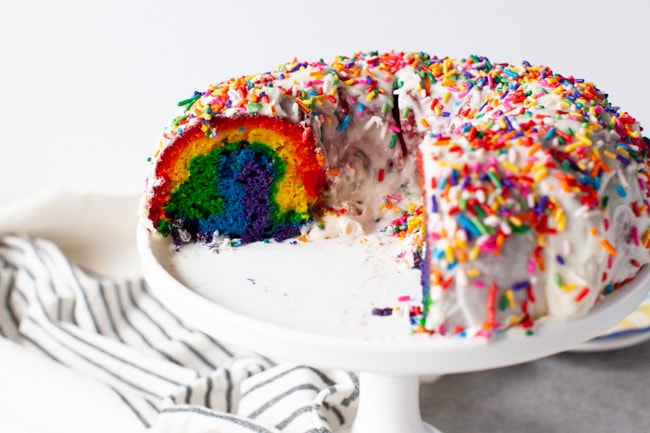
x: 520, y: 193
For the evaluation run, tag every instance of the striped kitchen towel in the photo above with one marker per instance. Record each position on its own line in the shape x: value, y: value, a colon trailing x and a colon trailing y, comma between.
x: 637, y: 322
x: 172, y: 377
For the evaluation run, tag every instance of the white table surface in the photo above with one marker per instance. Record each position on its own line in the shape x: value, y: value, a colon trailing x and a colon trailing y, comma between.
x: 86, y: 86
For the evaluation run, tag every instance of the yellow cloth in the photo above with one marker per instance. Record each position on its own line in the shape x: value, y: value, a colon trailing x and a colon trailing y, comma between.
x: 637, y: 321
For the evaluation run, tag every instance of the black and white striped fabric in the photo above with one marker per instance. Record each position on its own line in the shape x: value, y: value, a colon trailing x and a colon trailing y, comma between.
x: 172, y: 377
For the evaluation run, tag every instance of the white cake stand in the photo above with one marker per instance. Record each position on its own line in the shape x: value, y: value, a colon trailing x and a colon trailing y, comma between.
x: 311, y: 303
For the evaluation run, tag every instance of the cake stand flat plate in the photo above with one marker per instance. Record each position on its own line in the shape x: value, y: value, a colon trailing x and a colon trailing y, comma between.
x: 312, y: 303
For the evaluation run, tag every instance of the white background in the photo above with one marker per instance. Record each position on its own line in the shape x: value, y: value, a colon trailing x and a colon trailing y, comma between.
x: 86, y: 87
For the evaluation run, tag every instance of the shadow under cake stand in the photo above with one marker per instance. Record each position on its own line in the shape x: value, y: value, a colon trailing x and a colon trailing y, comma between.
x: 312, y: 303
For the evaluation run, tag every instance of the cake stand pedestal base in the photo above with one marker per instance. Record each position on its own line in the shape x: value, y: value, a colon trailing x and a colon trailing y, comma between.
x: 389, y: 404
